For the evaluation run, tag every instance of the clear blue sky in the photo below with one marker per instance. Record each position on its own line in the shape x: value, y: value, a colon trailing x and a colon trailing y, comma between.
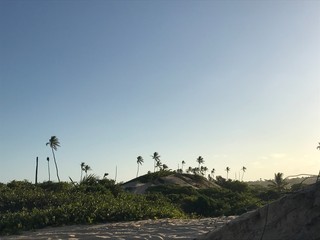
x: 237, y: 82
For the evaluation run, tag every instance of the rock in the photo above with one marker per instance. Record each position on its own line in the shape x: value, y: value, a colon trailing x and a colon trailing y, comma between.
x: 296, y: 216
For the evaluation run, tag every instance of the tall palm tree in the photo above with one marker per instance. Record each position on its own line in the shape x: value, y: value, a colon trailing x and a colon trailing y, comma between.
x: 82, y: 165
x: 48, y: 160
x: 278, y: 183
x: 86, y: 169
x: 182, y: 164
x: 54, y: 144
x: 228, y: 170
x: 243, y: 170
x: 156, y: 158
x: 139, y: 162
x: 200, y: 160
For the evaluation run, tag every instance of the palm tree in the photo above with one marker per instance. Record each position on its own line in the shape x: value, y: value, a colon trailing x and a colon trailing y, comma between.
x: 212, y: 172
x: 182, y: 164
x: 189, y: 170
x: 48, y: 167
x: 86, y: 169
x: 228, y: 170
x: 164, y: 167
x: 139, y: 162
x: 318, y: 147
x: 156, y: 158
x: 278, y: 183
x: 205, y: 169
x: 243, y: 170
x: 159, y: 164
x: 82, y: 165
x: 54, y: 144
x: 200, y: 160
x: 105, y: 175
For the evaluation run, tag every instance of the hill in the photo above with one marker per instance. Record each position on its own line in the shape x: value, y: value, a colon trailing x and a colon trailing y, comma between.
x: 141, y: 184
x: 296, y: 216
x: 291, y: 181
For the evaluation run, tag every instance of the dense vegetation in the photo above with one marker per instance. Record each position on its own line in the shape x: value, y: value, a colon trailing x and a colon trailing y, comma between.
x: 25, y: 206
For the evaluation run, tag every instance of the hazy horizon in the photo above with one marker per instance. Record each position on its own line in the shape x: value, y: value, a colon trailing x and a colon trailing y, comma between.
x: 237, y: 83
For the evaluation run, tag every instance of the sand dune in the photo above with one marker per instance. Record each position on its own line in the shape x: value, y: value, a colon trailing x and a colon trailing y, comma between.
x: 146, y: 229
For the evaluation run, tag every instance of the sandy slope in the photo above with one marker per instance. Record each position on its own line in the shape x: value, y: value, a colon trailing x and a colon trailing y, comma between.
x: 147, y: 229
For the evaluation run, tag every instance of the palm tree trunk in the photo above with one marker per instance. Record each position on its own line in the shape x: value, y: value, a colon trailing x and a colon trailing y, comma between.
x: 55, y: 162
x: 138, y: 170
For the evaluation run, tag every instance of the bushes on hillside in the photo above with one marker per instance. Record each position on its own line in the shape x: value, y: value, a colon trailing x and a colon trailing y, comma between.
x: 24, y: 206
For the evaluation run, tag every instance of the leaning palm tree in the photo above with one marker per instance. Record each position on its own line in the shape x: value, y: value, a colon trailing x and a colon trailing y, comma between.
x: 139, y: 162
x: 278, y: 183
x: 156, y: 158
x: 54, y: 144
x: 228, y: 170
x: 48, y: 167
x: 200, y: 161
x: 86, y: 169
x: 82, y: 165
x: 243, y: 170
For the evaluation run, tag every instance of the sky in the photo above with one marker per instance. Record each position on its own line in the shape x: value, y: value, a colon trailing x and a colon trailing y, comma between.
x: 236, y: 82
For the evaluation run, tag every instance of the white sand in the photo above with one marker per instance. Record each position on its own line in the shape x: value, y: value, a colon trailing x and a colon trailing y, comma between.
x: 146, y: 229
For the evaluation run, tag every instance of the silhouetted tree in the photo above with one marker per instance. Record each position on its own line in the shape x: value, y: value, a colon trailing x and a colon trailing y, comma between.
x: 165, y: 166
x: 86, y: 169
x: 200, y: 161
x: 278, y: 183
x: 139, y: 162
x: 196, y: 170
x: 158, y: 164
x: 228, y: 170
x: 156, y: 158
x: 82, y: 165
x: 318, y: 147
x: 243, y: 170
x: 54, y: 144
x: 212, y: 172
x: 183, y: 163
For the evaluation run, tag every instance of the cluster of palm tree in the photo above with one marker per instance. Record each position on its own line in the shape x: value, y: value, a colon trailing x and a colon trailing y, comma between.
x: 84, y: 168
x: 158, y: 165
x: 157, y: 161
x: 54, y: 144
